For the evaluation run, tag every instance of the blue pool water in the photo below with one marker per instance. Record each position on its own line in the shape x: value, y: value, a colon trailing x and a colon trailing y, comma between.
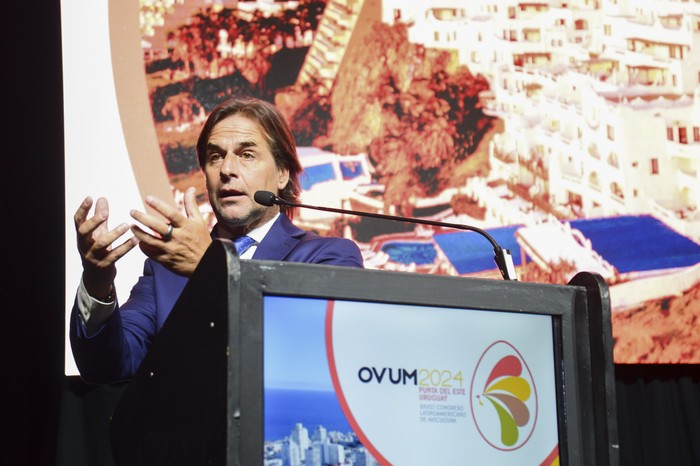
x: 410, y: 252
x: 316, y: 174
x: 637, y: 243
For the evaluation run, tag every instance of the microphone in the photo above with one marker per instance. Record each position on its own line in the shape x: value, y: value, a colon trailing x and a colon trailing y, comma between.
x: 502, y: 257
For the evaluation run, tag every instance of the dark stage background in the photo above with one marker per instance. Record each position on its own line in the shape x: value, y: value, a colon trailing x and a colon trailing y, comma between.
x: 47, y: 418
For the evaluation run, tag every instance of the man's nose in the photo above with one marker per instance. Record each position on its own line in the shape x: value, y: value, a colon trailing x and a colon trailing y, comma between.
x: 229, y: 167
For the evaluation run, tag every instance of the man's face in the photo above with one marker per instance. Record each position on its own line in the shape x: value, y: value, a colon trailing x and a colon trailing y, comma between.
x: 238, y: 163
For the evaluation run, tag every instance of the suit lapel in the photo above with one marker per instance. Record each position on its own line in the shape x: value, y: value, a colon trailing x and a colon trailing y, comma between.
x: 279, y: 241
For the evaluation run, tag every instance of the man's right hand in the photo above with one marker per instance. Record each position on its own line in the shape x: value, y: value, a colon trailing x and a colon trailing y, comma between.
x: 95, y: 246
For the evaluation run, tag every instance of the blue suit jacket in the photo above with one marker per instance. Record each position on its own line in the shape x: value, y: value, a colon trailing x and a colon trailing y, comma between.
x: 116, y: 350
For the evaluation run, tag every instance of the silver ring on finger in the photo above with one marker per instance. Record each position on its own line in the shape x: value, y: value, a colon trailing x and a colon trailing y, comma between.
x: 168, y: 234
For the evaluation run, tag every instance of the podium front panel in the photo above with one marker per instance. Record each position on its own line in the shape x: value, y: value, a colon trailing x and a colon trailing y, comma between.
x: 407, y: 384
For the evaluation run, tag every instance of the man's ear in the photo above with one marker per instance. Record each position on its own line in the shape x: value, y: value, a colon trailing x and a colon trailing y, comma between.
x: 283, y: 178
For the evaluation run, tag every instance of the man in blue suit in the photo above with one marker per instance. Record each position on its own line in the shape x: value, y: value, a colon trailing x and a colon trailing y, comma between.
x: 245, y: 146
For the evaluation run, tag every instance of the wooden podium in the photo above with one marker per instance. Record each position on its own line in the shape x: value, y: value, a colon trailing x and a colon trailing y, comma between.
x: 199, y: 395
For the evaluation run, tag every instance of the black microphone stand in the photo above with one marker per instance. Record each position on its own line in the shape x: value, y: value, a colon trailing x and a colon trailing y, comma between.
x: 502, y: 256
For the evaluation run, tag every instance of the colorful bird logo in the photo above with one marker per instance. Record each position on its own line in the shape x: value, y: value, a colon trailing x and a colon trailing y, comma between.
x: 507, y: 391
x: 503, y: 397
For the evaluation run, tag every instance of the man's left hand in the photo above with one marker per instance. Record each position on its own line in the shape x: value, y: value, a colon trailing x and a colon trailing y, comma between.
x: 179, y: 241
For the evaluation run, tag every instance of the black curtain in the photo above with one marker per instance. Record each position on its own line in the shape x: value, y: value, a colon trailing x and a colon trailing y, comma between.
x: 31, y: 346
x: 47, y: 418
x: 658, y: 410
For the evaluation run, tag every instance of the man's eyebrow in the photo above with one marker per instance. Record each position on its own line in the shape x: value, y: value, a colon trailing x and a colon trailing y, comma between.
x: 246, y: 144
x: 213, y: 147
x: 241, y: 145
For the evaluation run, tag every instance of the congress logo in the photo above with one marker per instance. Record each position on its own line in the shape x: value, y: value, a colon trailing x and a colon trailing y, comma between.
x: 503, y: 397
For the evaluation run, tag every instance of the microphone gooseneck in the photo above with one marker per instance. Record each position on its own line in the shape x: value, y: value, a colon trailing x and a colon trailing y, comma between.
x: 503, y: 259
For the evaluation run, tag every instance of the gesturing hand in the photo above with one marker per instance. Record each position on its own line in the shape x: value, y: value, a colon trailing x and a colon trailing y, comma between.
x: 181, y: 241
x: 95, y: 240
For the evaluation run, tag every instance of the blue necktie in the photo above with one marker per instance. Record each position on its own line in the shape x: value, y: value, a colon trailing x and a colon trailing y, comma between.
x: 242, y: 243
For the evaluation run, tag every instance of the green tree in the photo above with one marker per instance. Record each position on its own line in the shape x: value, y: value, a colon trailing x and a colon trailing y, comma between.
x: 461, y: 91
x: 405, y: 106
x: 369, y: 78
x: 307, y: 111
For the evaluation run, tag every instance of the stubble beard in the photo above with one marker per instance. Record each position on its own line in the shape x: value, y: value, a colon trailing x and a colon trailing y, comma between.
x: 242, y: 224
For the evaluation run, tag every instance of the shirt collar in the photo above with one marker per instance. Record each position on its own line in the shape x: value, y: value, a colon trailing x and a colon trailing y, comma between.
x: 259, y: 233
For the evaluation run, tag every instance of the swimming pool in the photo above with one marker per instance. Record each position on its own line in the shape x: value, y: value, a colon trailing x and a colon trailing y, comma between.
x: 405, y: 252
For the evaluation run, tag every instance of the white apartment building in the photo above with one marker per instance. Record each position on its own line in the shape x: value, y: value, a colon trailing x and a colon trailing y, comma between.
x: 486, y: 34
x: 600, y: 98
x: 300, y: 436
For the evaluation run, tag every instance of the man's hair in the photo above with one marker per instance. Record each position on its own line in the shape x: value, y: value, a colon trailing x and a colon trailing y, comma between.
x: 276, y: 132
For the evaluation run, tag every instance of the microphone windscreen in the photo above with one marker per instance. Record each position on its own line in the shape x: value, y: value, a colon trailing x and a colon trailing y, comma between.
x: 265, y: 198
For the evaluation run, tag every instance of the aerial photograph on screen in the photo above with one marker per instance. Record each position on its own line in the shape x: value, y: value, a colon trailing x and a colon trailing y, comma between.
x: 568, y: 130
x: 303, y: 417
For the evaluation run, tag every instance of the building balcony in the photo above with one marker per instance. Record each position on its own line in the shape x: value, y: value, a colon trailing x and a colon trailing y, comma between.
x: 573, y: 172
x: 684, y: 219
x: 595, y: 187
x: 688, y: 179
x: 684, y: 151
x: 593, y: 151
